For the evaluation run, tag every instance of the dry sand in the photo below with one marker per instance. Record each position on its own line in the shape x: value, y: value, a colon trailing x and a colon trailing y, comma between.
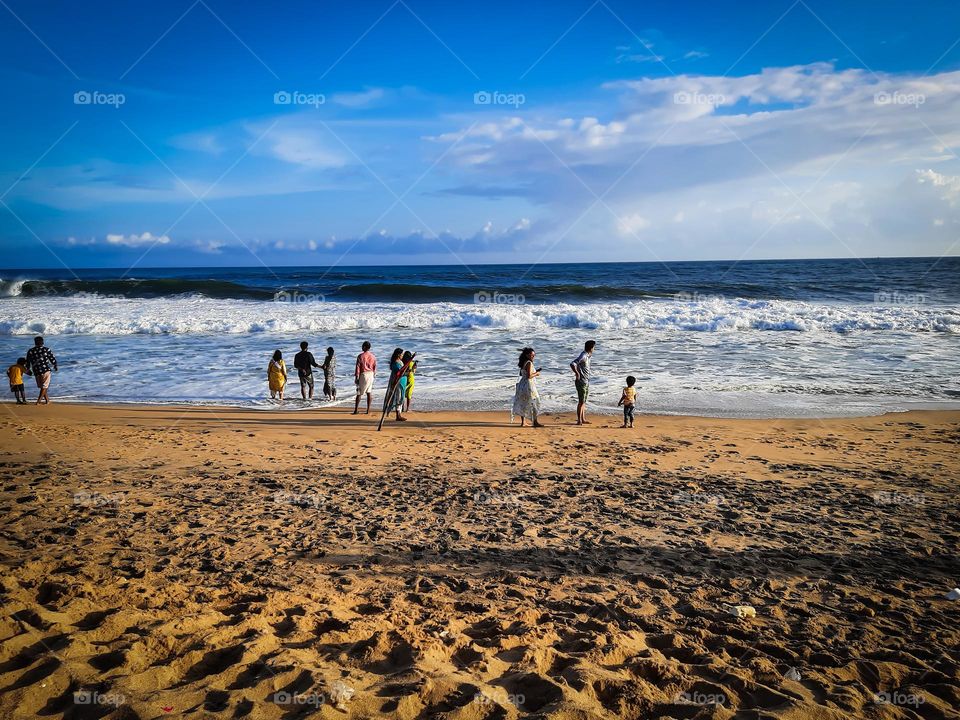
x: 166, y: 562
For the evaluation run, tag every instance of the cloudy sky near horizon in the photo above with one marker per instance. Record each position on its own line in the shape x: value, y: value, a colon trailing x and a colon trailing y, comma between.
x: 201, y: 132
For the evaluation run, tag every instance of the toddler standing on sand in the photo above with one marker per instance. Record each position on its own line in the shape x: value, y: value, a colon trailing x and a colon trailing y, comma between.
x: 628, y: 399
x: 16, y: 373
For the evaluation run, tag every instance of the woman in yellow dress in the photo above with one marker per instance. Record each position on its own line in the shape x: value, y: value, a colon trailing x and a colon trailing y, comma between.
x: 277, y: 375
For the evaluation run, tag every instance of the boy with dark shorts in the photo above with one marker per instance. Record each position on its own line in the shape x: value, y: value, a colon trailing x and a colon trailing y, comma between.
x: 15, y: 373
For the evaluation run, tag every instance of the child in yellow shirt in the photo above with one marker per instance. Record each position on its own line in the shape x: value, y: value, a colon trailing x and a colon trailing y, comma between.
x: 628, y: 399
x: 16, y: 373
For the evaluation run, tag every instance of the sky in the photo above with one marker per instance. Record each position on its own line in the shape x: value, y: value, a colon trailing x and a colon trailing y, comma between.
x: 215, y: 133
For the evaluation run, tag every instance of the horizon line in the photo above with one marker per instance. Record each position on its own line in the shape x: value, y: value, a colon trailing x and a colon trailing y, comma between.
x: 486, y: 264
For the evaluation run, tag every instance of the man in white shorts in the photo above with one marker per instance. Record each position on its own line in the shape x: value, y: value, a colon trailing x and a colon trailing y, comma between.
x: 363, y: 377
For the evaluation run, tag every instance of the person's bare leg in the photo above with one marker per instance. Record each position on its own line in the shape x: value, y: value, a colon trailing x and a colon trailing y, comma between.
x: 369, y: 402
x: 356, y: 405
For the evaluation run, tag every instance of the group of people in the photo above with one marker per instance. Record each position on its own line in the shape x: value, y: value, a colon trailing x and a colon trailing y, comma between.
x: 38, y: 362
x: 304, y: 362
x: 403, y: 366
x: 526, y: 398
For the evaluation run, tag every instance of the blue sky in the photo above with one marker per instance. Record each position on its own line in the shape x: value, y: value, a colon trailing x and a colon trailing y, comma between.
x: 156, y: 134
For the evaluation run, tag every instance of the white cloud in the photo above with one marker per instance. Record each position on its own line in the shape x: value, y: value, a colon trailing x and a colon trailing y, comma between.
x: 794, y: 161
x: 363, y: 99
x: 137, y: 240
x: 305, y: 147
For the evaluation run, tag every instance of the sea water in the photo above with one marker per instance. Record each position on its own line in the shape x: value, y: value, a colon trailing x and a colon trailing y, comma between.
x: 757, y: 339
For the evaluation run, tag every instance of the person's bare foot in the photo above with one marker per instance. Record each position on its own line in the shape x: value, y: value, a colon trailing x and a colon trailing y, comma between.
x: 586, y: 422
x: 538, y: 424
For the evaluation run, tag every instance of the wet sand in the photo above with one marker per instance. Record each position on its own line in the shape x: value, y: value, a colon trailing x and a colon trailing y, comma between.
x: 171, y: 562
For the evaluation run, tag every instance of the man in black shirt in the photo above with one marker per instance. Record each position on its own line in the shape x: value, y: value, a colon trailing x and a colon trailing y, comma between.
x: 304, y: 362
x: 41, y: 361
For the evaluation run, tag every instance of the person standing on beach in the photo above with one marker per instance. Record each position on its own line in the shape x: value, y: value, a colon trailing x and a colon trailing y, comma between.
x: 411, y: 380
x: 15, y: 374
x: 41, y: 362
x: 581, y: 373
x: 304, y: 362
x: 330, y: 375
x: 526, y: 399
x: 363, y: 374
x: 399, y: 365
x: 276, y: 375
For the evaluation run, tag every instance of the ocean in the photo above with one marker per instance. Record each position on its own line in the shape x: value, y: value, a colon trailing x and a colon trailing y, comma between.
x: 790, y: 338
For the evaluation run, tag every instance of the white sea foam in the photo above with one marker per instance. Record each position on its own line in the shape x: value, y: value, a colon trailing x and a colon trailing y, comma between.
x: 98, y: 315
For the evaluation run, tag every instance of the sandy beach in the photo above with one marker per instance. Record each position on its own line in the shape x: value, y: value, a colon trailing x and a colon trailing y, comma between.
x: 173, y: 562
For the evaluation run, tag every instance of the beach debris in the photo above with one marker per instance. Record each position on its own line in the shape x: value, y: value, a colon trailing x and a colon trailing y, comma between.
x: 743, y: 611
x: 953, y: 594
x: 793, y: 674
x: 341, y: 693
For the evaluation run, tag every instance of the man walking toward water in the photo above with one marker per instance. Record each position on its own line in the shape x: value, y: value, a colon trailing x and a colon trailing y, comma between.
x: 304, y: 362
x: 41, y: 362
x: 363, y: 377
x: 581, y: 373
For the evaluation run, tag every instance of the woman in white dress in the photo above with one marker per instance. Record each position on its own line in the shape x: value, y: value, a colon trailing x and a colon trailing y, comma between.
x: 526, y: 400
